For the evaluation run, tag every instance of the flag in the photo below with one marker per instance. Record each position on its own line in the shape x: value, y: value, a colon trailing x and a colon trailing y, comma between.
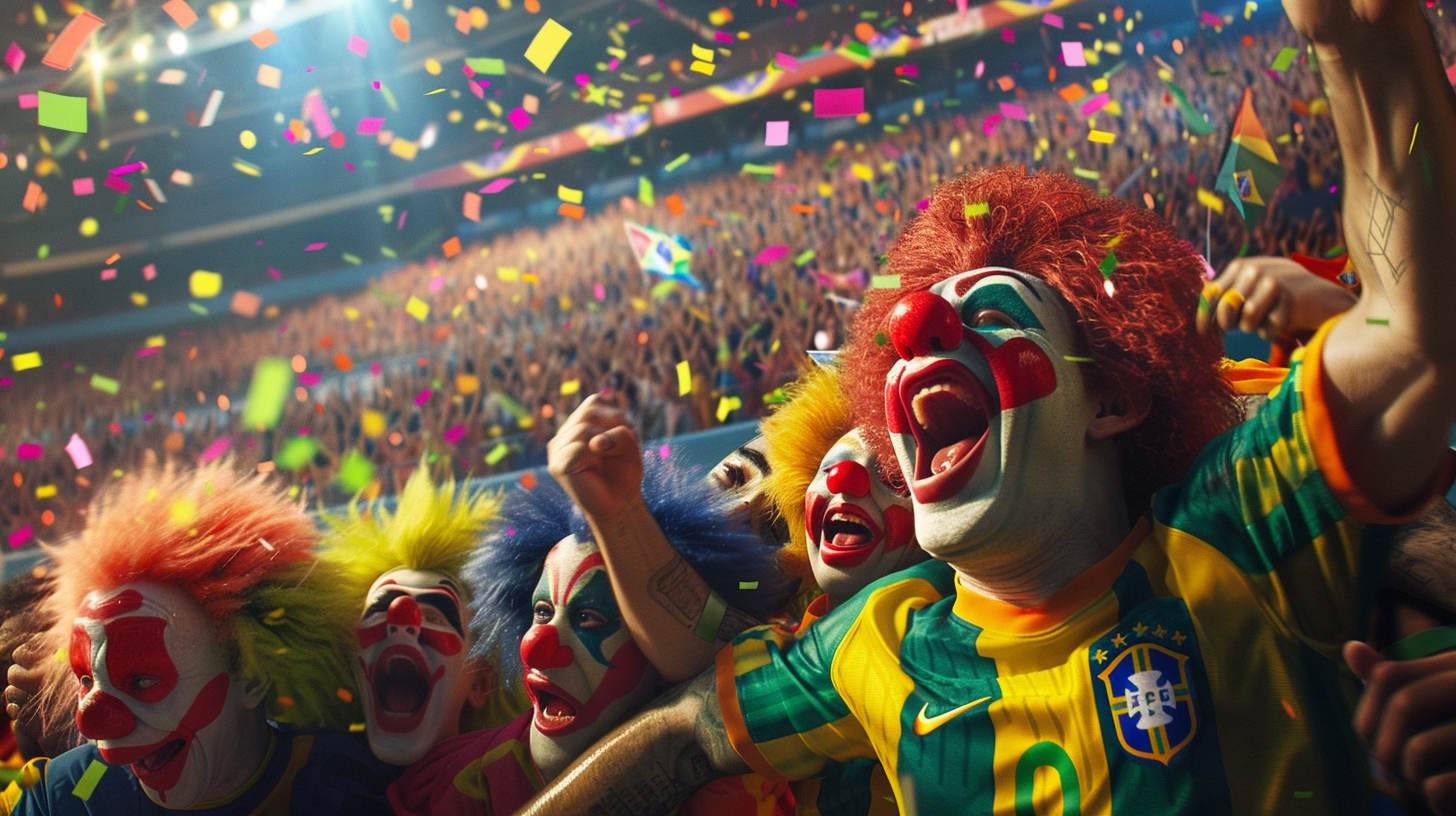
x: 662, y: 254
x: 1250, y: 170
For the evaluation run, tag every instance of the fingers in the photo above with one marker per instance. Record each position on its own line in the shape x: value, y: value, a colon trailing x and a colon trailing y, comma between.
x: 1429, y: 754
x: 1241, y: 280
x: 619, y: 441
x: 1440, y: 794
x: 1404, y: 698
x: 1361, y: 658
x: 1266, y: 293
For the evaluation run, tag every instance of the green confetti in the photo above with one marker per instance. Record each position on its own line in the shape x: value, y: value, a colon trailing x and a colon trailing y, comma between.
x: 86, y: 785
x: 1071, y: 359
x: 644, y: 191
x: 268, y: 391
x: 1377, y: 321
x: 106, y: 384
x: 748, y: 585
x: 1090, y: 175
x: 885, y: 282
x: 352, y: 259
x: 120, y: 203
x: 497, y: 453
x: 663, y: 289
x: 1286, y: 56
x: 44, y: 251
x: 297, y: 453
x: 486, y: 65
x: 979, y: 208
x: 198, y: 308
x: 804, y: 257
x: 881, y: 338
x: 757, y: 169
x: 61, y: 112
x: 355, y: 472
x: 1108, y: 264
x: 1304, y: 794
x: 707, y: 628
x: 677, y: 162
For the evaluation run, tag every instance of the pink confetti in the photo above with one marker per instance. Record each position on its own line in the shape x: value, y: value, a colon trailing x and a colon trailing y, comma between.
x: 830, y: 102
x: 777, y: 133
x: 28, y: 451
x: 349, y: 166
x: 376, y: 83
x: 274, y: 274
x: 20, y: 536
x: 771, y: 254
x: 117, y: 183
x: 455, y: 434
x: 369, y: 125
x: 376, y: 369
x: 310, y: 378
x: 922, y: 204
x: 108, y: 274
x: 288, y: 134
x: 1007, y: 35
x: 786, y: 62
x: 908, y: 70
x: 80, y: 454
x: 1096, y: 103
x: 149, y: 271
x: 315, y: 247
x: 29, y: 101
x: 148, y: 351
x: 317, y: 111
x: 83, y: 186
x: 1209, y: 18
x: 1073, y: 55
x: 988, y: 127
x: 437, y: 283
x: 722, y: 37
x: 664, y: 452
x: 14, y: 57
x: 1011, y: 111
x: 215, y: 450
x: 423, y: 397
x: 129, y: 168
x: 1052, y: 20
x: 359, y: 45
x: 520, y: 118
x: 497, y: 185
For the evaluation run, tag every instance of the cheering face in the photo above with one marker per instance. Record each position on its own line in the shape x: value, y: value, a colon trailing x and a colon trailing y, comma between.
x: 859, y: 530
x: 740, y: 475
x: 584, y: 673
x: 412, y: 655
x: 987, y: 415
x: 158, y: 694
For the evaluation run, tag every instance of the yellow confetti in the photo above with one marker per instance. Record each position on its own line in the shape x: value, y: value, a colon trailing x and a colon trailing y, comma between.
x: 570, y: 387
x: 1101, y: 137
x: 1210, y: 200
x: 45, y: 491
x: 862, y: 172
x: 204, y: 284
x: 567, y: 194
x: 684, y: 379
x: 418, y: 309
x: 182, y: 512
x: 372, y: 424
x: 547, y: 43
x: 21, y: 362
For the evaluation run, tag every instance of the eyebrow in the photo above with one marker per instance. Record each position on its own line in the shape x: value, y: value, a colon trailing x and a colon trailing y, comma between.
x: 1005, y: 298
x: 756, y: 458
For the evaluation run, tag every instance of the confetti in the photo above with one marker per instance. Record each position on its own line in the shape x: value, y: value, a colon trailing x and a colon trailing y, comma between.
x: 497, y: 185
x: 978, y: 208
x: 355, y: 472
x: 399, y: 27
x: 267, y: 392
x: 216, y: 449
x: 22, y: 362
x: 571, y: 210
x: 80, y: 454
x: 245, y: 304
x: 20, y: 536
x: 106, y: 384
x: 209, y: 113
x: 62, y: 53
x: 86, y: 785
x: 358, y: 45
x: 1377, y: 321
x: 786, y: 62
x: 296, y: 453
x: 118, y: 184
x: 1101, y: 137
x: 567, y: 194
x: 454, y: 435
x: 27, y: 451
x: 675, y: 163
x: 61, y: 112
x: 497, y: 453
x: 1071, y: 359
x: 884, y: 281
x: 369, y: 125
x: 776, y: 134
x: 771, y: 254
x: 418, y: 309
x: 264, y: 38
x: 684, y: 379
x: 1284, y: 58
x: 33, y: 196
x: 451, y: 248
x: 471, y: 207
x: 1052, y: 20
x: 838, y: 102
x: 269, y: 76
x: 182, y: 13
x: 204, y: 284
x: 519, y: 118
x: 14, y: 57
x: 1073, y: 55
x: 748, y: 585
x: 172, y: 76
x: 486, y: 65
x: 1210, y: 200
x: 547, y: 43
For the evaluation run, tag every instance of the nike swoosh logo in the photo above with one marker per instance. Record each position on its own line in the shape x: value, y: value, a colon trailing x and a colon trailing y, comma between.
x: 924, y: 725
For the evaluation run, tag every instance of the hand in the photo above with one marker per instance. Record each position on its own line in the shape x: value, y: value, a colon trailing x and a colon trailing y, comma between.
x: 1407, y: 720
x: 596, y: 457
x: 1274, y: 297
x: 1340, y: 23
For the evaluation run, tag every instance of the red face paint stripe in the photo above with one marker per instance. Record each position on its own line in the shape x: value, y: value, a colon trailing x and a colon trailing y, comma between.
x: 446, y: 643
x: 120, y: 604
x: 593, y: 560
x: 815, y: 505
x: 370, y: 635
x: 137, y: 648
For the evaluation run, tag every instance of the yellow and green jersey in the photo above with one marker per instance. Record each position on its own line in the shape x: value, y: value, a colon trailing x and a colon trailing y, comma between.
x: 1195, y: 669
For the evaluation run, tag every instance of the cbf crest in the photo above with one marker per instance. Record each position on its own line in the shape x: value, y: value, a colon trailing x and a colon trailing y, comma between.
x: 1152, y: 703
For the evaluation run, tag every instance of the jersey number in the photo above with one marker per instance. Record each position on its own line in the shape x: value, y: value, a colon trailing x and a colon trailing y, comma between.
x: 1047, y: 755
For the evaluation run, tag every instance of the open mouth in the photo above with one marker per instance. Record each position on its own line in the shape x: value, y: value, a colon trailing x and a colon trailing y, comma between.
x: 949, y: 413
x: 555, y: 709
x: 849, y: 535
x: 160, y: 758
x: 401, y: 687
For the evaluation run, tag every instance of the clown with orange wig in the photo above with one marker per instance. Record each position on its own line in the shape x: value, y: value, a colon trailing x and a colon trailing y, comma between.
x: 199, y: 634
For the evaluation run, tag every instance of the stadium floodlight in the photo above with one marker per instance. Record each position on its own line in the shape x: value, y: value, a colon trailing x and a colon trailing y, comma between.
x: 140, y: 51
x: 97, y: 60
x: 224, y: 15
x: 177, y: 43
x: 261, y: 12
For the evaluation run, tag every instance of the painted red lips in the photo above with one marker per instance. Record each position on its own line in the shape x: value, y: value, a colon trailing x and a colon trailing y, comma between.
x: 948, y: 413
x: 401, y: 685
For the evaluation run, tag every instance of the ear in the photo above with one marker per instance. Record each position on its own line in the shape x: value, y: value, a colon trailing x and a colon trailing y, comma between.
x: 1119, y: 409
x: 483, y: 681
x: 253, y: 689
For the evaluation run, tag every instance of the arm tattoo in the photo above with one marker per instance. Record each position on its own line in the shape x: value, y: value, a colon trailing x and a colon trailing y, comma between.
x: 1380, y: 239
x: 679, y: 590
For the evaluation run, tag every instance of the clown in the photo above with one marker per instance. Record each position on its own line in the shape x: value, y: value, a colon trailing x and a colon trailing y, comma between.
x: 194, y: 619
x: 402, y: 571
x: 1129, y: 585
x: 543, y: 598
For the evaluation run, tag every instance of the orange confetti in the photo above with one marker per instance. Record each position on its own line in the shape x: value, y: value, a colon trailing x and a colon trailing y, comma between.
x: 675, y: 204
x: 180, y: 417
x: 528, y: 480
x: 806, y: 209
x: 48, y: 518
x: 533, y: 6
x: 864, y: 32
x: 451, y: 248
x: 18, y: 479
x: 144, y: 205
x: 345, y: 695
x: 58, y: 300
x: 1006, y: 83
x: 1072, y: 92
x: 711, y: 222
x: 266, y: 467
x: 571, y: 210
x: 342, y: 362
x: 399, y: 27
x: 264, y: 38
x: 462, y: 21
x: 1288, y: 709
x: 115, y: 256
x: 285, y: 701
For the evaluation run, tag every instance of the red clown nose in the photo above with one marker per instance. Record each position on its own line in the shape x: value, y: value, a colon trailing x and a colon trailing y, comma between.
x: 404, y: 612
x: 101, y: 716
x: 541, y: 649
x: 923, y: 323
x: 848, y: 479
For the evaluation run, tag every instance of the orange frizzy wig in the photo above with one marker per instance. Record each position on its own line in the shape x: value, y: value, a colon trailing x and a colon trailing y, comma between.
x: 796, y: 438
x: 1141, y: 338
x: 244, y: 552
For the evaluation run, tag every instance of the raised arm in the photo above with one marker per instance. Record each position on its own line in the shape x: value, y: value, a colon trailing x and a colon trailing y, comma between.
x: 597, y: 458
x: 647, y: 766
x: 1390, y: 363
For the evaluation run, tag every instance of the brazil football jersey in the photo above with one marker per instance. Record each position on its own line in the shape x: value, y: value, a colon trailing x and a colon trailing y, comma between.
x: 1194, y: 669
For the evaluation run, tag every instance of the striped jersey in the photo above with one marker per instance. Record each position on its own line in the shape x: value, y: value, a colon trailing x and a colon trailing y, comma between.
x: 1194, y: 669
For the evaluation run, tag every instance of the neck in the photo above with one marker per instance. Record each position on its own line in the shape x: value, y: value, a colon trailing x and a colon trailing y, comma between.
x: 251, y: 742
x: 551, y: 756
x: 1059, y: 544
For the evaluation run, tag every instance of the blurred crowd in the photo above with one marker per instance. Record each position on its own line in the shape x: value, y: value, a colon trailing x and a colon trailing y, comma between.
x: 523, y: 327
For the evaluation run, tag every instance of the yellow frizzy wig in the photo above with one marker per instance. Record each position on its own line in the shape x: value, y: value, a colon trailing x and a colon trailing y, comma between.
x: 797, y: 437
x: 244, y: 552
x: 433, y: 528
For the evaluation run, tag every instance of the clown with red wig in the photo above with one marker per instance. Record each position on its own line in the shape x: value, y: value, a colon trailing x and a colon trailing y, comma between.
x: 1137, y: 600
x: 192, y: 623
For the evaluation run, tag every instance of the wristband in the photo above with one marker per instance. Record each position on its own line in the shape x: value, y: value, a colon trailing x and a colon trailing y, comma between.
x: 712, y: 617
x: 1422, y: 644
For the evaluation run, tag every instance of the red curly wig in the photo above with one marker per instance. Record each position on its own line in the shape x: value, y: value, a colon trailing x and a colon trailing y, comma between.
x: 1141, y: 339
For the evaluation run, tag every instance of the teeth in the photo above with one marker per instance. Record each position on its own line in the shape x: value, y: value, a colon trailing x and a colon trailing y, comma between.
x: 917, y: 402
x: 841, y: 516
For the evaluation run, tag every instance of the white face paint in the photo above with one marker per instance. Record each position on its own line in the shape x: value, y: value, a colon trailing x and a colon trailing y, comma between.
x: 584, y: 672
x: 412, y: 656
x: 158, y: 694
x: 859, y: 530
x: 987, y: 415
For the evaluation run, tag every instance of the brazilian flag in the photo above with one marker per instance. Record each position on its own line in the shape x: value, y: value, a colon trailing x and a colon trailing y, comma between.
x: 1250, y: 170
